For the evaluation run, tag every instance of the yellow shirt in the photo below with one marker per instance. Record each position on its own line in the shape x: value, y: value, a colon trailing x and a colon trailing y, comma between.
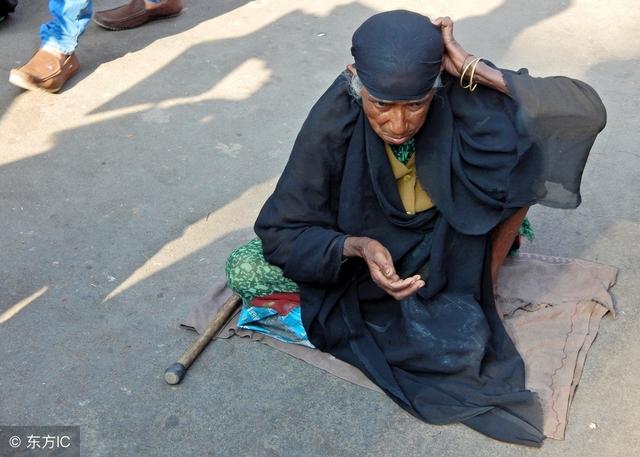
x: 413, y: 196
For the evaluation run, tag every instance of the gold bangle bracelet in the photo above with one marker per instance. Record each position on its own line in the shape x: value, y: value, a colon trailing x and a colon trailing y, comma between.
x: 465, y: 67
x: 470, y: 85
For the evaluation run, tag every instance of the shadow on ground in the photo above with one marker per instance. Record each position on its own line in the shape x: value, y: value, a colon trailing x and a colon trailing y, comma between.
x: 96, y: 46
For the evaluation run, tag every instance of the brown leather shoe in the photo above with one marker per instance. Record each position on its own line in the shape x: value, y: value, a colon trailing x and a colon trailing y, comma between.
x: 45, y: 71
x: 135, y: 13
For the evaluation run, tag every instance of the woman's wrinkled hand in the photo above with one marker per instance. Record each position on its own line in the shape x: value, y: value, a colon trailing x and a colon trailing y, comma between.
x: 381, y: 268
x: 454, y: 56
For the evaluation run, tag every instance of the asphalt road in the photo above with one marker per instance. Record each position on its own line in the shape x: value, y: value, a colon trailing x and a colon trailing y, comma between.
x: 121, y: 197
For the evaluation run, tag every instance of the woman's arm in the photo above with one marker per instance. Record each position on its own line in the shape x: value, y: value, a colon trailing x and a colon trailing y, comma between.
x: 298, y: 223
x: 454, y: 61
x: 455, y: 58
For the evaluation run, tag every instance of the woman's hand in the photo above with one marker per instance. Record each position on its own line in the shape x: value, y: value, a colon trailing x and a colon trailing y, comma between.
x: 454, y: 56
x: 381, y: 267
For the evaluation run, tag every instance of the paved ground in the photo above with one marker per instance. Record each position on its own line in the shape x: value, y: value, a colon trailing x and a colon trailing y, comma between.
x: 122, y: 196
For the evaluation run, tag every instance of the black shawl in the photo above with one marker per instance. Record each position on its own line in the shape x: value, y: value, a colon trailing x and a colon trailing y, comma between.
x: 443, y: 354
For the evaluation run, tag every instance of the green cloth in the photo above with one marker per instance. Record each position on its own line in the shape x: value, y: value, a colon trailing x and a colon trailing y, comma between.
x: 250, y: 275
x: 526, y: 230
x: 404, y: 151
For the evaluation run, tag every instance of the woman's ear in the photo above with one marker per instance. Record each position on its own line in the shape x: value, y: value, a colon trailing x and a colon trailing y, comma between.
x: 352, y: 69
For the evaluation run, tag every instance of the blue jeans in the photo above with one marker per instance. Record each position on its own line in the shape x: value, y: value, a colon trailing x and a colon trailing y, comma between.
x: 70, y: 19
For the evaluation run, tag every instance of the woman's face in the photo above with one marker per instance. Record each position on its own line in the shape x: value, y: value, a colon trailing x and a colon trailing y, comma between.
x: 398, y: 121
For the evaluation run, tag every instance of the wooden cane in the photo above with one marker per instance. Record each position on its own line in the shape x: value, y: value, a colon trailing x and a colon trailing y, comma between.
x: 174, y: 374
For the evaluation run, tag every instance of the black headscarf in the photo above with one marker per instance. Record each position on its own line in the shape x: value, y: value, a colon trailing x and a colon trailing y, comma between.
x: 398, y: 55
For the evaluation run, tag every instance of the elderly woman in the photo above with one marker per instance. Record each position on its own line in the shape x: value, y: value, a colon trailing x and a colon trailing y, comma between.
x: 403, y: 193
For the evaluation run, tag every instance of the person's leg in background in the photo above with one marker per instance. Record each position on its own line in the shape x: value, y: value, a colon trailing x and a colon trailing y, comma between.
x: 137, y: 12
x: 55, y: 62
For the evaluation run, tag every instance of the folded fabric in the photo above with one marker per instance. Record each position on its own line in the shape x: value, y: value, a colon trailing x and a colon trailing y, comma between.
x: 275, y: 315
x: 283, y: 303
x: 551, y: 308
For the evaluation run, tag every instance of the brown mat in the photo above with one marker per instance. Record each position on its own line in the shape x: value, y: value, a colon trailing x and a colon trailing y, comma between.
x: 551, y: 307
